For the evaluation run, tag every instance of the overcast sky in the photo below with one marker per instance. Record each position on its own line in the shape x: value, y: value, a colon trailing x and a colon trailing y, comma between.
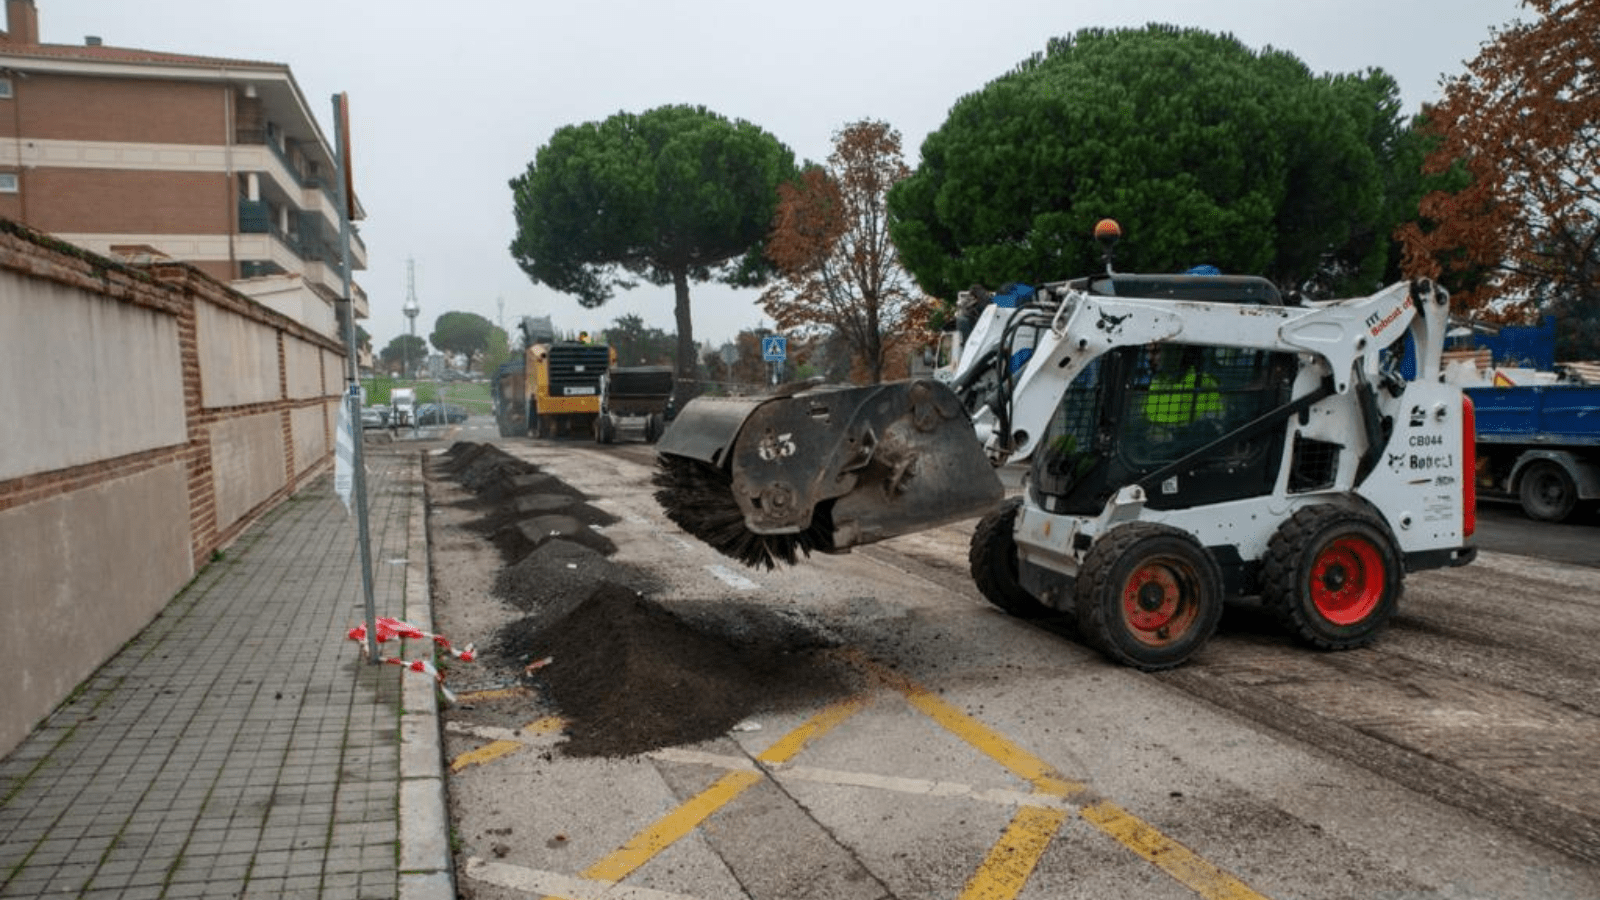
x: 450, y: 100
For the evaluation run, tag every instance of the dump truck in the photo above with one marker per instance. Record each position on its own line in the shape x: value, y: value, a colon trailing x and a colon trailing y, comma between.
x: 634, y: 400
x: 1189, y: 439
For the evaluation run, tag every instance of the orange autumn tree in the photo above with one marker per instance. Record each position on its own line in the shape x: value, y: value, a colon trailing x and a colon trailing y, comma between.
x: 837, y: 268
x: 1523, y: 125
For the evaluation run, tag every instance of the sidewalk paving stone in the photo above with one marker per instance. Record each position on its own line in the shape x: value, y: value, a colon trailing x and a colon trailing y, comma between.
x: 239, y: 745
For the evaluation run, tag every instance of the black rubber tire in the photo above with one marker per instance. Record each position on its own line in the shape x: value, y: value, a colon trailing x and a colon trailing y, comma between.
x: 993, y: 561
x: 1333, y: 576
x: 1547, y: 492
x: 1148, y: 596
x: 605, y: 429
x: 654, y: 427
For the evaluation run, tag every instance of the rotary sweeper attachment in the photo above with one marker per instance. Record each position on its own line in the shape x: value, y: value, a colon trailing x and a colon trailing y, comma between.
x: 764, y: 479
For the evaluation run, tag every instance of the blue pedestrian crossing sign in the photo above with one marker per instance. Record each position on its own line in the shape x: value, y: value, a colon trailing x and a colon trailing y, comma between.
x: 774, y: 348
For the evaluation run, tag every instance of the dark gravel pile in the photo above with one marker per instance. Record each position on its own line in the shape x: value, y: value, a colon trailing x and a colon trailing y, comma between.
x: 557, y: 576
x: 629, y: 676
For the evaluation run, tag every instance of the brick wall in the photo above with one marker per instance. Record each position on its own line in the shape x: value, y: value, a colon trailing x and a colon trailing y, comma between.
x: 118, y: 478
x: 80, y: 108
x: 123, y: 201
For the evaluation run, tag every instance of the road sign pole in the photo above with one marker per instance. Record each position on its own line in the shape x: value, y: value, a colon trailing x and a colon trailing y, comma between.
x: 353, y: 372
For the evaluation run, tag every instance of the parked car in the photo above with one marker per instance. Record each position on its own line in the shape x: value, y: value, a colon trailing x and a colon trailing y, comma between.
x: 440, y: 414
x: 374, y: 417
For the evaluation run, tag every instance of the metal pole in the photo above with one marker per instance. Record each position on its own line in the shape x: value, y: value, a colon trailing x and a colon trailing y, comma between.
x: 358, y: 462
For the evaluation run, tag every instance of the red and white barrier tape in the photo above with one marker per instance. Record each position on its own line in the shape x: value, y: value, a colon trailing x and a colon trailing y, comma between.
x: 426, y: 668
x: 389, y: 629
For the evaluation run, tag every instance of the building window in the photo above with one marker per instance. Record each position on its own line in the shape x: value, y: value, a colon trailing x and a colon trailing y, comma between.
x: 8, y: 182
x: 5, y: 89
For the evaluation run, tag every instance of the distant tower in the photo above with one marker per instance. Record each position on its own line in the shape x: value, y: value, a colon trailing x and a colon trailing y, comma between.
x: 500, y: 305
x: 410, y: 309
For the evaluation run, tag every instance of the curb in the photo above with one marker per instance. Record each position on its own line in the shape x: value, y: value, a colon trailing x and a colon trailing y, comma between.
x: 425, y: 865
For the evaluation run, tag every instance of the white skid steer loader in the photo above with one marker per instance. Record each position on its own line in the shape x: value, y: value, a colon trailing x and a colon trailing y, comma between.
x: 1189, y: 439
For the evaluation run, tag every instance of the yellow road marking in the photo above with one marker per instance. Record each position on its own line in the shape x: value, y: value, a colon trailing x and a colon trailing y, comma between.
x: 1178, y: 861
x: 493, y: 694
x: 688, y: 816
x: 487, y: 753
x: 1043, y: 776
x: 670, y: 828
x: 1011, y: 861
x: 496, y: 749
x: 784, y: 748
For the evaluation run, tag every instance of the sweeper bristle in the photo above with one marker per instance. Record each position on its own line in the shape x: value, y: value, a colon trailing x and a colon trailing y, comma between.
x: 699, y: 498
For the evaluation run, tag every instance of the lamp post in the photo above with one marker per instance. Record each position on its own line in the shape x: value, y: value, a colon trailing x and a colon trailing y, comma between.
x: 410, y: 309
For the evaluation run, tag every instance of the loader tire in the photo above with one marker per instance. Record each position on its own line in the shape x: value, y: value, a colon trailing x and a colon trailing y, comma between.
x: 993, y: 559
x: 1332, y: 576
x: 1148, y: 596
x: 605, y: 429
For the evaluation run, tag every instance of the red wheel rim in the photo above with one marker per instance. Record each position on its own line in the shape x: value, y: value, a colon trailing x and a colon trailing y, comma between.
x: 1158, y: 603
x: 1347, y: 580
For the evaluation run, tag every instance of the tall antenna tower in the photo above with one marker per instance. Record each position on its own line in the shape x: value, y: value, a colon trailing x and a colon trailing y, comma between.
x: 410, y: 309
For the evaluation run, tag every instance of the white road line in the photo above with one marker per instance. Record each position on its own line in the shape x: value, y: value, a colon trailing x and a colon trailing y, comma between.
x: 732, y: 579
x: 536, y: 738
x: 919, y: 786
x: 700, y: 758
x: 487, y: 732
x: 540, y: 883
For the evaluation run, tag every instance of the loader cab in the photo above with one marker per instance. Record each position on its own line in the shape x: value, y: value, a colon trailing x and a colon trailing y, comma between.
x: 1182, y: 420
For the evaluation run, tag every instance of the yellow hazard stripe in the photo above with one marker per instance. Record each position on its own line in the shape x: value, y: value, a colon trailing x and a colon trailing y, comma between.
x: 495, y: 749
x: 785, y: 748
x: 688, y: 816
x: 1011, y: 861
x: 1043, y: 776
x: 1178, y: 861
x: 669, y: 828
x: 487, y: 753
x: 491, y: 694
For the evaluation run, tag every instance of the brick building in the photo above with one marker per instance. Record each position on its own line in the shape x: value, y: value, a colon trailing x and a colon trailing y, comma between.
x: 141, y: 155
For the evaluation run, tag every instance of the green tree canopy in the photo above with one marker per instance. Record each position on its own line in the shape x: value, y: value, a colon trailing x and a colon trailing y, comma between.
x: 1206, y: 151
x: 637, y: 344
x: 405, y: 350
x: 462, y: 333
x: 674, y: 195
x: 497, y: 351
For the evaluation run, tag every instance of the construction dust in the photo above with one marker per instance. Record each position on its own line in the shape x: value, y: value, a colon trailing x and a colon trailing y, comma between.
x: 627, y: 674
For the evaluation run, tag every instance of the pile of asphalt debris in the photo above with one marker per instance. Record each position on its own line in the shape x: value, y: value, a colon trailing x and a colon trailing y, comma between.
x: 627, y: 674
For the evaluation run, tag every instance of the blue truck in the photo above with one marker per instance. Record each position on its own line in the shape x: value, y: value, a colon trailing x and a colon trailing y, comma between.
x: 1539, y: 443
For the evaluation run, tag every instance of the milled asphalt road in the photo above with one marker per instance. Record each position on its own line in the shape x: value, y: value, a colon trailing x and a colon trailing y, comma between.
x: 239, y: 745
